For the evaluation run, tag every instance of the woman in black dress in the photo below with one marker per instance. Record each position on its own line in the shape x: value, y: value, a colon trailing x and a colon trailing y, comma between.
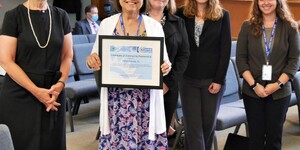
x: 36, y: 52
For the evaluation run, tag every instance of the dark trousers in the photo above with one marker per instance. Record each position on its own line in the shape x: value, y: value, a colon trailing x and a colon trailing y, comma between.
x: 170, y: 102
x: 265, y: 118
x: 200, y: 109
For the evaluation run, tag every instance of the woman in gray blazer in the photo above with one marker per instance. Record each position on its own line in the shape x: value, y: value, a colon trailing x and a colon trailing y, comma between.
x: 267, y: 58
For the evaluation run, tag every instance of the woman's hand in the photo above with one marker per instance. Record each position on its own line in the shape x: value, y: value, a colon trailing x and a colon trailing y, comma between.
x: 214, y: 88
x: 45, y: 97
x: 271, y: 88
x: 260, y: 91
x: 166, y: 67
x: 93, y: 61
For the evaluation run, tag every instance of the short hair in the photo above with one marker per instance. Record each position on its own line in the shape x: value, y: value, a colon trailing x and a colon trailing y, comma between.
x: 89, y: 7
x: 118, y: 7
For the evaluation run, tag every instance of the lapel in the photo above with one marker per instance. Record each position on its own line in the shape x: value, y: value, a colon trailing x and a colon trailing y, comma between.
x: 277, y: 36
x: 88, y: 27
x: 169, y: 28
x: 190, y: 23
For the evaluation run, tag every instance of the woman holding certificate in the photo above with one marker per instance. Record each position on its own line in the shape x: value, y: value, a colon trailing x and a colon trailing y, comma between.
x: 267, y: 57
x: 131, y: 118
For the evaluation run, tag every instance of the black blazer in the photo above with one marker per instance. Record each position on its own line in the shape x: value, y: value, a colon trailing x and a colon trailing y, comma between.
x: 210, y: 60
x: 83, y: 27
x: 177, y: 47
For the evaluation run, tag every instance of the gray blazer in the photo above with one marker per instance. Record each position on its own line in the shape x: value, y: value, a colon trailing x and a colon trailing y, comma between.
x: 284, y: 56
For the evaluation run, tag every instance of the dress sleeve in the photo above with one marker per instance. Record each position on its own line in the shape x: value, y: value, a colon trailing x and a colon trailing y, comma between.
x: 66, y: 23
x: 10, y: 25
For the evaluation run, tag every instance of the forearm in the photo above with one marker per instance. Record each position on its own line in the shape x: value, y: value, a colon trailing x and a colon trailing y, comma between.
x: 19, y: 76
x: 66, y: 57
x: 248, y: 77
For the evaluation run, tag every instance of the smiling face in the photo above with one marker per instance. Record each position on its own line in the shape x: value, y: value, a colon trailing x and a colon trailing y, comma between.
x: 267, y: 7
x: 158, y: 4
x: 131, y: 5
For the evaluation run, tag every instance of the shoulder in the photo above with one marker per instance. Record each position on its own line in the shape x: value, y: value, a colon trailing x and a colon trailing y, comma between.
x: 151, y: 22
x: 225, y: 12
x: 287, y: 25
x: 80, y: 22
x: 58, y: 10
x: 110, y: 19
x: 171, y: 17
x: 13, y: 12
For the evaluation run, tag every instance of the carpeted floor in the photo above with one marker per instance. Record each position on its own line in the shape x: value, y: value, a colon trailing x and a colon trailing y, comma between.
x: 86, y: 127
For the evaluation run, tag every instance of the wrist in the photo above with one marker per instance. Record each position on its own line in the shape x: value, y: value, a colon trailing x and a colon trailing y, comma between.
x: 61, y: 82
x: 253, y: 86
x: 280, y: 84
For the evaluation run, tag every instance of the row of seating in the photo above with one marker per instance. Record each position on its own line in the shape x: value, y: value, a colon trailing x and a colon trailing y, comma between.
x: 81, y: 82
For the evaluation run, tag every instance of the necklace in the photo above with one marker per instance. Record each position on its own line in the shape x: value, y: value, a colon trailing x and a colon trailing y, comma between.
x: 162, y: 20
x: 49, y: 35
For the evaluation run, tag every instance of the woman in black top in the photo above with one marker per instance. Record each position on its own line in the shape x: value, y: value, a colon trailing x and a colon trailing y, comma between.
x: 202, y: 87
x: 36, y: 52
x: 177, y: 47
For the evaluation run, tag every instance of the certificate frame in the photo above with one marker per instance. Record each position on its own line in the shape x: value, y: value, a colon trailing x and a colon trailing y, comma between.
x: 131, y: 61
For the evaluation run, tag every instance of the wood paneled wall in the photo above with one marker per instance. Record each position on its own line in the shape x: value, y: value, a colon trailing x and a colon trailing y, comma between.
x: 239, y: 11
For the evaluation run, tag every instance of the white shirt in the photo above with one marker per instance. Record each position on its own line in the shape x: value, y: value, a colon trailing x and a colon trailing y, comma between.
x: 157, y: 122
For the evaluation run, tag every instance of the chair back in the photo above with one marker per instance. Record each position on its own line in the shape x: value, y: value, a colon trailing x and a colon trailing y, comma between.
x: 231, y: 93
x: 296, y: 85
x: 72, y: 75
x: 91, y: 38
x: 81, y: 51
x: 79, y: 39
x: 5, y: 138
x: 233, y: 49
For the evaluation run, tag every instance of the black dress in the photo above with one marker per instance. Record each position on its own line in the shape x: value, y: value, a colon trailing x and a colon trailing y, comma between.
x: 32, y: 128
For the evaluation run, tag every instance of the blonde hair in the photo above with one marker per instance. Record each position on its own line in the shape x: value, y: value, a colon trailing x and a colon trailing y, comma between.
x: 282, y: 11
x: 213, y: 12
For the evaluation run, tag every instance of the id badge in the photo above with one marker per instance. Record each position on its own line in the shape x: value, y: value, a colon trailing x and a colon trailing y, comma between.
x: 267, y: 72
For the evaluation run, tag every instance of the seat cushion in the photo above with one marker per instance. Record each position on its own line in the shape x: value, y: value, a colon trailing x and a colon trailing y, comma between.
x: 229, y: 117
x: 81, y: 88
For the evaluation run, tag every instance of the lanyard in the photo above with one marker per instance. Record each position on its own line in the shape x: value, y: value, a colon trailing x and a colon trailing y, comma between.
x: 123, y: 27
x: 268, y: 45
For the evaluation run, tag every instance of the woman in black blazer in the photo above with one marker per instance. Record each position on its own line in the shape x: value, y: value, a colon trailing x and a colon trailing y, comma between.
x: 178, y: 50
x: 267, y: 57
x: 202, y: 87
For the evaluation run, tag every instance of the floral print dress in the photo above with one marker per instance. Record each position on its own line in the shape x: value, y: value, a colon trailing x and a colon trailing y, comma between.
x: 129, y: 121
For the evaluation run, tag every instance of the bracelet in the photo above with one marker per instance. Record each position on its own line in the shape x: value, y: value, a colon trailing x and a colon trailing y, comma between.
x: 62, y: 82
x: 254, y: 85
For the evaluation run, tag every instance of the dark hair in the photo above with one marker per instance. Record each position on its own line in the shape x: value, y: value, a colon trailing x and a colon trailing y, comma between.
x: 89, y: 7
x: 118, y: 8
x: 282, y: 11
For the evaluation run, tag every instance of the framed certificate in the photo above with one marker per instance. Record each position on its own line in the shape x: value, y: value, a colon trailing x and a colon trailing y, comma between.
x: 131, y: 62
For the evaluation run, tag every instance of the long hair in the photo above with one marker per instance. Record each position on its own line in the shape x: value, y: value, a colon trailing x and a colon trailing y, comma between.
x: 118, y: 7
x: 282, y: 11
x: 213, y: 12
